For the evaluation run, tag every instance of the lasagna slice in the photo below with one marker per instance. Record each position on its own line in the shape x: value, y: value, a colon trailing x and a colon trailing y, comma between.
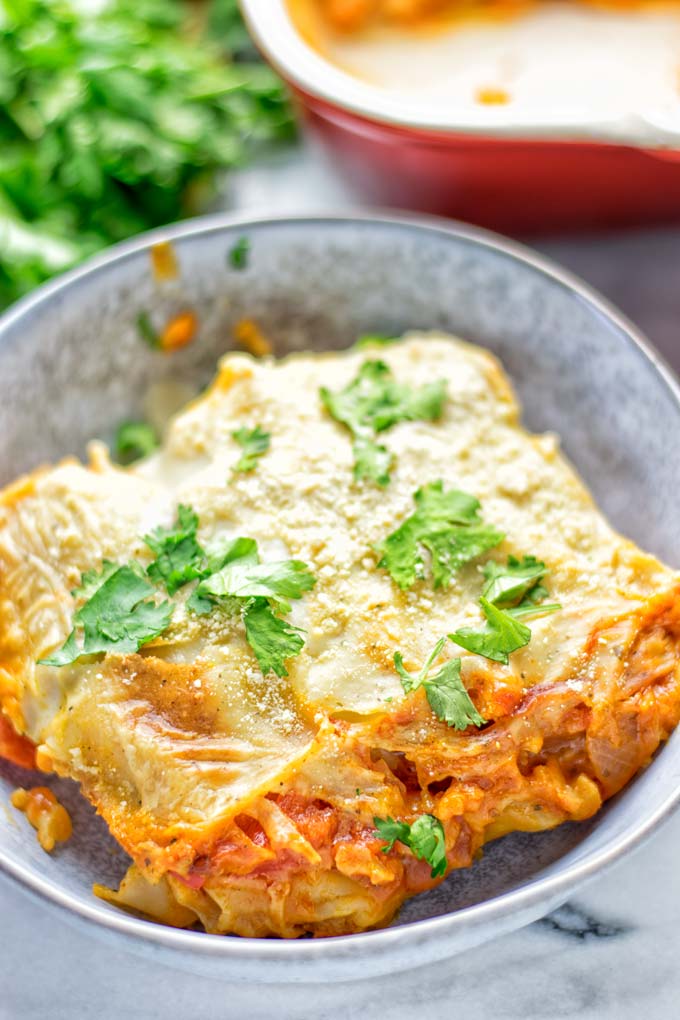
x: 350, y: 623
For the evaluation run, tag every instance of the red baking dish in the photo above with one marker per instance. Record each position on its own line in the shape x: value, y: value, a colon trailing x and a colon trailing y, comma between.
x: 536, y: 177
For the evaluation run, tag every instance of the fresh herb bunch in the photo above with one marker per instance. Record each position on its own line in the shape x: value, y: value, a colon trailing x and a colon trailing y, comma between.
x: 114, y: 118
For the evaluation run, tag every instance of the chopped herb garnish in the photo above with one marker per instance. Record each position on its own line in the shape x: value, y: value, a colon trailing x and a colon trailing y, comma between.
x: 149, y: 335
x: 247, y: 578
x: 503, y: 633
x: 239, y: 253
x: 445, y: 691
x: 255, y: 443
x: 134, y: 440
x: 425, y: 839
x: 501, y: 636
x: 508, y: 584
x: 179, y: 557
x: 448, y: 526
x: 91, y: 580
x: 238, y: 582
x: 511, y: 591
x: 372, y: 403
x: 374, y: 340
x: 119, y: 615
x: 117, y: 116
x: 272, y: 639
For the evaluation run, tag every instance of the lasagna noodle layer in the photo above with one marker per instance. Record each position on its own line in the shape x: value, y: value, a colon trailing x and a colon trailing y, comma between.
x: 247, y: 802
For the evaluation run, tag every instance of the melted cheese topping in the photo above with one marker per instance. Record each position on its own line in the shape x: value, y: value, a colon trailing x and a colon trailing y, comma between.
x: 247, y: 801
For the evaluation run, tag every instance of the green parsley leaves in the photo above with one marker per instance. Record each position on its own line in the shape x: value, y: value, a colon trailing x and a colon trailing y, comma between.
x: 445, y: 692
x: 260, y: 592
x: 134, y: 440
x: 511, y: 591
x: 119, y: 615
x: 179, y: 557
x: 425, y: 839
x: 372, y: 403
x: 255, y: 443
x: 239, y: 253
x: 448, y: 526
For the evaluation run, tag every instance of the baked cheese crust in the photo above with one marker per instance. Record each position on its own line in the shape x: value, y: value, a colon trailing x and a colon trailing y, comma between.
x: 246, y: 802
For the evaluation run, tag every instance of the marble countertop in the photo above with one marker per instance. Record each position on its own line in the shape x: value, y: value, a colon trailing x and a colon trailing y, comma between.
x: 611, y: 954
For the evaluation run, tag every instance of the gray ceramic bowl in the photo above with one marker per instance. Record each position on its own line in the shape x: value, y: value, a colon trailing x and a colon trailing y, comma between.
x: 72, y: 366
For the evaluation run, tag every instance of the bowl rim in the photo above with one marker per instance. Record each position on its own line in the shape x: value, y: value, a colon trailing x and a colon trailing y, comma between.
x: 508, y: 910
x: 275, y: 34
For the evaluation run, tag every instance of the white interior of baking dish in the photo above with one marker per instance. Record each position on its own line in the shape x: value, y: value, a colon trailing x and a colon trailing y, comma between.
x: 568, y: 70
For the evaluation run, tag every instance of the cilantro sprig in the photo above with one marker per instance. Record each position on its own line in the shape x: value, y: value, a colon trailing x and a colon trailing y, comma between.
x: 255, y: 443
x: 447, y: 524
x: 511, y: 591
x: 445, y: 692
x: 232, y: 579
x: 179, y: 557
x: 501, y: 636
x: 424, y: 838
x: 372, y: 403
x: 237, y: 582
x: 272, y: 639
x: 119, y: 615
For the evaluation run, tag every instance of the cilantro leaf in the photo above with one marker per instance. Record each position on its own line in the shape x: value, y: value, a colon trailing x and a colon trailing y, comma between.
x: 276, y: 581
x: 510, y: 583
x: 235, y: 581
x: 449, y: 700
x: 373, y: 402
x: 512, y: 591
x: 134, y: 440
x: 219, y: 554
x: 179, y: 557
x: 392, y: 832
x: 448, y: 525
x: 117, y: 117
x: 425, y: 839
x: 374, y: 340
x: 118, y: 617
x: 226, y: 550
x: 255, y: 443
x: 501, y: 636
x: 446, y: 694
x: 272, y: 639
x: 527, y: 607
x: 92, y: 580
x: 428, y: 843
x: 371, y: 460
x: 239, y: 253
x: 147, y: 332
x: 65, y: 655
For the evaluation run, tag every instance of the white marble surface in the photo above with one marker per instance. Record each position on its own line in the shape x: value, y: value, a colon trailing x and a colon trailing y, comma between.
x: 609, y: 955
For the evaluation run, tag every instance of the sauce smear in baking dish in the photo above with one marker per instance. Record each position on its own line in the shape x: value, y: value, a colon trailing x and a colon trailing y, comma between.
x: 542, y: 60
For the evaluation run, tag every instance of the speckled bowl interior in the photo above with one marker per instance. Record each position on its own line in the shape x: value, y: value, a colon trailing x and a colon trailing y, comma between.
x: 72, y: 366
